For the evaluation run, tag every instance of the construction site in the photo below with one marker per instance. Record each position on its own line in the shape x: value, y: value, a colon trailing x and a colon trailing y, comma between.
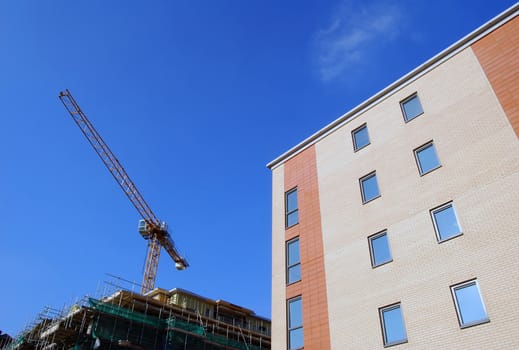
x: 152, y: 318
x: 123, y: 319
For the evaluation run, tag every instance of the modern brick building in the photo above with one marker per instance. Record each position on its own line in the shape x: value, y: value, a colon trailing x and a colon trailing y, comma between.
x: 398, y: 223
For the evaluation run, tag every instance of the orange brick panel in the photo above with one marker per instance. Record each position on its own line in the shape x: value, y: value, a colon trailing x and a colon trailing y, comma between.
x: 498, y: 54
x: 301, y: 171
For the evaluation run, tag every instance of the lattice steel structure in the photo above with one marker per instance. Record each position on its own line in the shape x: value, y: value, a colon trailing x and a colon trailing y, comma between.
x: 150, y: 227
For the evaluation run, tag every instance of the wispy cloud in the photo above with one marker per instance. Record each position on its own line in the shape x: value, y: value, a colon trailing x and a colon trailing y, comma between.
x: 354, y: 31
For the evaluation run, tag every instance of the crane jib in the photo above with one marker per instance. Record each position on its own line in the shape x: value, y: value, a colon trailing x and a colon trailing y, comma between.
x: 152, y: 228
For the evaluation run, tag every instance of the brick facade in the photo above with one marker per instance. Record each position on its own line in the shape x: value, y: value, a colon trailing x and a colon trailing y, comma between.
x: 470, y: 99
x: 498, y: 54
x: 301, y: 171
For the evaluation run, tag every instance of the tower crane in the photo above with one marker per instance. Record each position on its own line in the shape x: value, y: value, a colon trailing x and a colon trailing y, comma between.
x: 150, y: 227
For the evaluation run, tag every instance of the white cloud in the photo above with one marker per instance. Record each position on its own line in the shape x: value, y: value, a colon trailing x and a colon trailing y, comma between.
x: 353, y: 33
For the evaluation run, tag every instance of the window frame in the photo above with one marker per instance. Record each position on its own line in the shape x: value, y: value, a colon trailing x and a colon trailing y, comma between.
x: 457, y: 286
x: 296, y: 210
x: 383, y: 327
x: 364, y: 178
x: 436, y: 230
x: 289, y: 329
x: 287, y: 258
x: 371, y: 251
x: 407, y: 99
x: 356, y: 148
x: 421, y: 148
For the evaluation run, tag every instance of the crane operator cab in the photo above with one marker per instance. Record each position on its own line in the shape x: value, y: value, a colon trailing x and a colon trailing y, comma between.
x: 144, y: 230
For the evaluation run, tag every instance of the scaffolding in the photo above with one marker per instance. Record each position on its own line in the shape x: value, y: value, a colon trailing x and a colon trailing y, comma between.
x: 128, y: 320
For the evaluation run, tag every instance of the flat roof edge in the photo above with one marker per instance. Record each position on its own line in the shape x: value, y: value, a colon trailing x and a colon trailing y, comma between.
x: 461, y: 44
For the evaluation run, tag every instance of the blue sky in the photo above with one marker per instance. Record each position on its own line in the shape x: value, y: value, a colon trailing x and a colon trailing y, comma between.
x: 194, y: 98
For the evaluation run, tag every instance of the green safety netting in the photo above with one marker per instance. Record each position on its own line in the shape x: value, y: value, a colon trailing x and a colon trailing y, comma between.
x: 166, y: 334
x: 127, y: 314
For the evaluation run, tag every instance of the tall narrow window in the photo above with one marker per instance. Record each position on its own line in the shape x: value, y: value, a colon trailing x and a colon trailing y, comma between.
x: 369, y: 187
x: 360, y: 137
x: 293, y: 261
x: 411, y: 107
x: 469, y: 304
x: 379, y: 249
x: 426, y: 158
x: 291, y: 209
x: 445, y: 222
x: 295, y: 324
x: 393, y: 327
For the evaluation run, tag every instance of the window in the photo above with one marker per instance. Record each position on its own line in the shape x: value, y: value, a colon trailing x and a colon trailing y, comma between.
x: 393, y: 327
x: 295, y: 324
x: 445, y: 222
x: 360, y: 137
x: 292, y: 213
x: 293, y: 261
x: 369, y: 187
x: 411, y: 107
x: 426, y: 158
x: 469, y: 304
x: 379, y: 249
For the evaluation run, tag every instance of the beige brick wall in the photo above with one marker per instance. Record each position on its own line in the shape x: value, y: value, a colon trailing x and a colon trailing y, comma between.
x: 479, y: 153
x: 278, y: 260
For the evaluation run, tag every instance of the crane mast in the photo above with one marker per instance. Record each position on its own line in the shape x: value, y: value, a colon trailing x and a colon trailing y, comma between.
x: 150, y: 227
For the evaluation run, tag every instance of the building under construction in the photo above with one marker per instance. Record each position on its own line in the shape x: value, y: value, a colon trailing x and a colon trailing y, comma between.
x: 160, y: 319
x: 153, y: 319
